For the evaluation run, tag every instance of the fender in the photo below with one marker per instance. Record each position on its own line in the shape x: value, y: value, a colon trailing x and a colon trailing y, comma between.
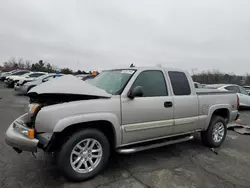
x: 82, y: 118
x: 213, y: 108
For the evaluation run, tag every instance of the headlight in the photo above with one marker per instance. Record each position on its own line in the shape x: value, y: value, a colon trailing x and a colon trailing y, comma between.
x: 29, y: 133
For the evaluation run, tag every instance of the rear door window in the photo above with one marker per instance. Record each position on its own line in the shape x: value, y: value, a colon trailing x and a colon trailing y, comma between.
x: 180, y: 83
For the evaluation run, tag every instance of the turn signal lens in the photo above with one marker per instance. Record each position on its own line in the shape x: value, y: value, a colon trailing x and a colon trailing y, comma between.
x: 34, y: 108
x: 31, y: 133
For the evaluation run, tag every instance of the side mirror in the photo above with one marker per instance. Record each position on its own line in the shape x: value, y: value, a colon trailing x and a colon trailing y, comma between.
x: 45, y: 80
x: 135, y: 92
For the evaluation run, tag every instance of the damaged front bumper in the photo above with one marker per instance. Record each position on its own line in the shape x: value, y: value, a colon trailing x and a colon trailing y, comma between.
x: 17, y: 136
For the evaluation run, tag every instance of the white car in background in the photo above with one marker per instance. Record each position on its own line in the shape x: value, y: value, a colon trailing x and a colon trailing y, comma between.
x: 9, y: 81
x: 29, y: 77
x: 241, y: 92
x: 24, y: 87
x: 3, y: 75
x: 247, y: 88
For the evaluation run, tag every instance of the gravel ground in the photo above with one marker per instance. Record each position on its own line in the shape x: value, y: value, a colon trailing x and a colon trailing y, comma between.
x: 178, y: 166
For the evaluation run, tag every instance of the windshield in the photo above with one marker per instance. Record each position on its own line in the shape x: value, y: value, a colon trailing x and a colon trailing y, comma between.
x: 113, y: 81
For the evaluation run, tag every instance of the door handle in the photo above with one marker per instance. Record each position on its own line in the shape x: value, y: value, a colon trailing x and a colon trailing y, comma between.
x: 168, y: 104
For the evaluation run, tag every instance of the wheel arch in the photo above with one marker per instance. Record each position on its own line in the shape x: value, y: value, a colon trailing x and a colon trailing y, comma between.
x: 105, y: 126
x: 220, y: 110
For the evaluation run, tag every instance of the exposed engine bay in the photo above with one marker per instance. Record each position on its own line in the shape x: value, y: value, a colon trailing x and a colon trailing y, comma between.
x: 65, y: 89
x: 56, y: 98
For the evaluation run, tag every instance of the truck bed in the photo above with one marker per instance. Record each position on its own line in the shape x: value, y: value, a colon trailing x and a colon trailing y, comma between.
x: 208, y: 98
x: 212, y: 91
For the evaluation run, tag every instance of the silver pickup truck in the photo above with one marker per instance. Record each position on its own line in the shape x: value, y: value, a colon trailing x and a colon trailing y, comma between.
x: 125, y: 110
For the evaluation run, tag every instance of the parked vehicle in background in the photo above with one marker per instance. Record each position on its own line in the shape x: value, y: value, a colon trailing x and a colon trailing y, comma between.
x: 9, y: 81
x: 203, y: 85
x: 213, y: 86
x: 126, y: 110
x: 5, y: 74
x: 197, y: 85
x: 28, y: 77
x: 85, y: 77
x: 24, y: 87
x: 247, y: 88
x: 241, y: 92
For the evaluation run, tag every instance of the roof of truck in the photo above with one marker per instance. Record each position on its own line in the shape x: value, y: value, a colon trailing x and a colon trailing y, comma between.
x: 149, y: 68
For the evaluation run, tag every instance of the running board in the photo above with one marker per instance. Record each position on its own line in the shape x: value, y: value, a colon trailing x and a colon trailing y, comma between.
x: 134, y: 149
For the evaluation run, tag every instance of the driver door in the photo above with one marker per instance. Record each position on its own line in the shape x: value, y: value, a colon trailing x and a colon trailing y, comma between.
x: 150, y: 116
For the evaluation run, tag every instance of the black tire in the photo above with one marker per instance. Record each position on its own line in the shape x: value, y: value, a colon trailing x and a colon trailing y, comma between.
x: 207, y: 136
x: 64, y: 164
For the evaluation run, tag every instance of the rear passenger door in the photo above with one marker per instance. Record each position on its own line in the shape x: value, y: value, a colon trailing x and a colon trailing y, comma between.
x: 150, y: 116
x: 185, y: 103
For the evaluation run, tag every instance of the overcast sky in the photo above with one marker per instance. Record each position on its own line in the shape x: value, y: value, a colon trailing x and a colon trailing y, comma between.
x: 188, y: 34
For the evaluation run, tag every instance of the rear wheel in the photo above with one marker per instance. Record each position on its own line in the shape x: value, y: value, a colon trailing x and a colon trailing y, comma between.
x: 215, y: 135
x: 84, y: 155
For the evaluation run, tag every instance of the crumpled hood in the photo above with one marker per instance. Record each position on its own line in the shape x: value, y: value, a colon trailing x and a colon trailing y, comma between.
x: 68, y: 84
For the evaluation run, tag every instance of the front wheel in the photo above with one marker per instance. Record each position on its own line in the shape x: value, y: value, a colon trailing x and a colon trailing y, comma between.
x: 84, y: 155
x: 215, y: 135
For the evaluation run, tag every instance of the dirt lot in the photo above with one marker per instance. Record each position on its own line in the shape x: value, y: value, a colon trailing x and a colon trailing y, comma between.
x: 179, y: 166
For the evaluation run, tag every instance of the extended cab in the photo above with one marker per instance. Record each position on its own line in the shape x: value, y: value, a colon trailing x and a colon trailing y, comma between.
x: 126, y: 110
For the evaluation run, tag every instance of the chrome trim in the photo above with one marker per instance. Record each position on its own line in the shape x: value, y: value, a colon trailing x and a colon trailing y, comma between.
x: 142, y: 148
x: 188, y: 120
x: 159, y: 124
x: 148, y: 125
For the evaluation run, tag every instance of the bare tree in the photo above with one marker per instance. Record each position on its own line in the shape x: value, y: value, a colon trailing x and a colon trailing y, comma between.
x: 28, y: 64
